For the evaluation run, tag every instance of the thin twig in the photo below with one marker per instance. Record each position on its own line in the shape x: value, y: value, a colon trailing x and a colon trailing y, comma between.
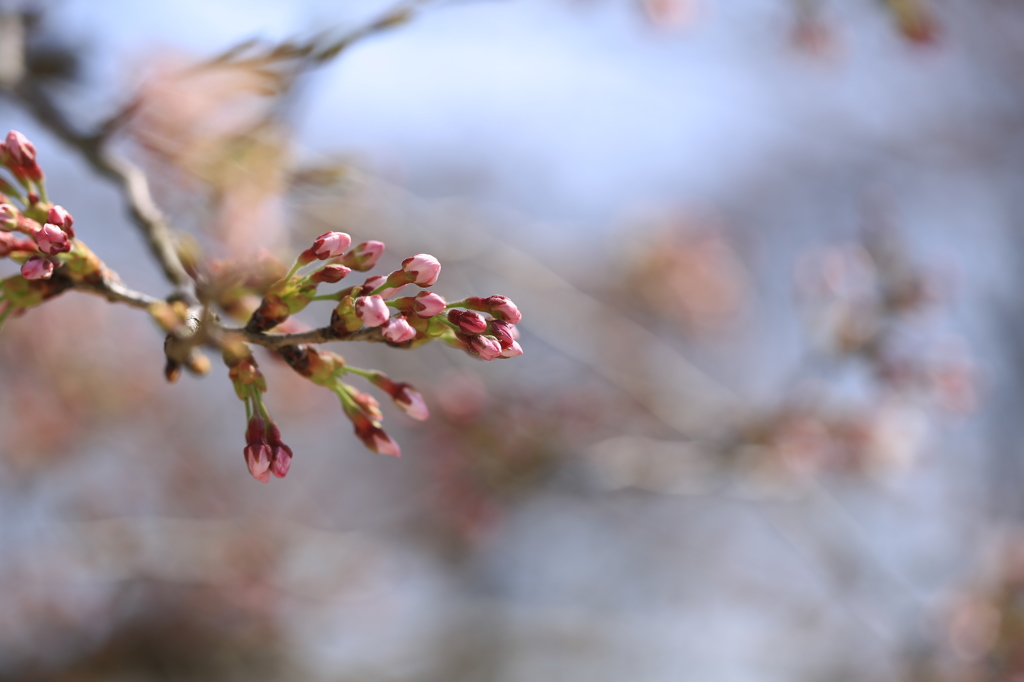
x: 321, y: 335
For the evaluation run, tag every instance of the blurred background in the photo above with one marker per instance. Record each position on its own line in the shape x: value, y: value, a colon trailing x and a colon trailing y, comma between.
x: 767, y: 424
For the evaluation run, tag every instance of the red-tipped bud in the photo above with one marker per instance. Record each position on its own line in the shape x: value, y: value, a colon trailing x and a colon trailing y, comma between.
x: 37, y: 268
x: 503, y: 308
x: 398, y: 330
x: 330, y: 274
x: 364, y: 256
x: 367, y: 403
x: 280, y: 454
x: 52, y: 240
x: 379, y: 441
x: 372, y: 310
x: 485, y: 347
x: 373, y: 283
x: 504, y: 332
x: 422, y: 269
x: 21, y: 151
x: 468, y: 321
x: 428, y: 304
x: 512, y: 351
x: 8, y: 215
x: 409, y: 400
x: 258, y: 458
x: 330, y: 245
x: 59, y: 216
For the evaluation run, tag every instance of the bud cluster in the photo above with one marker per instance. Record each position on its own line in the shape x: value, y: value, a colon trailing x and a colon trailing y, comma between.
x: 265, y: 452
x: 39, y: 236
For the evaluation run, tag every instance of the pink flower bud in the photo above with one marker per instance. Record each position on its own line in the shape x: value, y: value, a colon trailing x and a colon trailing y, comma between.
x: 373, y: 283
x: 281, y: 454
x: 504, y: 332
x: 22, y: 152
x: 52, y: 240
x: 380, y: 442
x: 468, y: 321
x: 503, y: 308
x: 61, y: 218
x: 409, y: 400
x: 364, y: 256
x: 398, y: 330
x: 8, y: 214
x: 372, y: 310
x: 330, y: 245
x: 367, y: 403
x: 428, y: 304
x: 37, y: 268
x: 331, y: 274
x: 512, y: 351
x: 258, y: 457
x: 486, y: 347
x: 422, y: 269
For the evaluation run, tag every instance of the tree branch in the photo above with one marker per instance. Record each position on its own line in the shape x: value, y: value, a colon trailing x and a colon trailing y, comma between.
x: 321, y: 335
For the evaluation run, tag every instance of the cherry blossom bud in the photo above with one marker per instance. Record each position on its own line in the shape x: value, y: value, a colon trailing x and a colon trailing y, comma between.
x: 367, y: 403
x: 281, y: 454
x: 468, y: 321
x: 22, y: 152
x: 373, y: 283
x: 486, y: 347
x: 409, y: 400
x: 364, y: 256
x: 503, y: 308
x: 61, y: 218
x: 398, y: 330
x: 37, y: 268
x: 330, y: 245
x: 428, y: 304
x: 422, y: 269
x: 258, y: 458
x: 52, y: 240
x: 503, y: 331
x: 330, y: 274
x: 8, y: 214
x: 380, y: 442
x: 512, y: 351
x: 372, y: 310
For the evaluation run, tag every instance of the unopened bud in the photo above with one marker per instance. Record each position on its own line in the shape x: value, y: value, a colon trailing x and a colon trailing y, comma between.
x: 428, y: 304
x: 281, y: 454
x: 374, y: 283
x: 59, y: 216
x: 372, y: 310
x: 503, y: 308
x: 8, y: 216
x: 512, y: 351
x: 398, y: 330
x: 257, y: 458
x: 330, y: 245
x: 364, y: 256
x: 37, y: 268
x: 468, y: 321
x: 421, y: 269
x: 52, y: 240
x: 485, y: 347
x: 330, y: 274
x: 411, y: 402
x: 21, y: 151
x: 504, y: 332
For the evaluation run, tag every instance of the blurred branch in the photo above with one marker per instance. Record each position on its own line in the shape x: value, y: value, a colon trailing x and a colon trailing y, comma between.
x: 321, y: 335
x: 317, y: 50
